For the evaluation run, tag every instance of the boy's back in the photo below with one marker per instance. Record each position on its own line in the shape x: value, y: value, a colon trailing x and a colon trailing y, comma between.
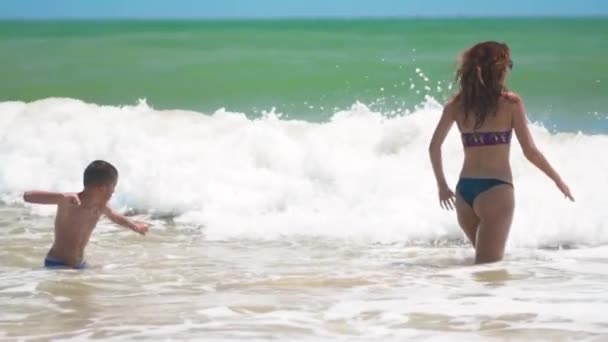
x: 73, y: 227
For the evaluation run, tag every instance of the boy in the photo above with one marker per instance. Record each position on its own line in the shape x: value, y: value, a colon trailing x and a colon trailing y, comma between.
x: 78, y: 213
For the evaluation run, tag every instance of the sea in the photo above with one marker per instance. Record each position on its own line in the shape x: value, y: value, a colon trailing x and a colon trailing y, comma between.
x: 284, y: 167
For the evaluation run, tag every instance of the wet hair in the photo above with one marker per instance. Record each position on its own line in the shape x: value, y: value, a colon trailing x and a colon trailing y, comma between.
x: 480, y: 75
x: 100, y: 172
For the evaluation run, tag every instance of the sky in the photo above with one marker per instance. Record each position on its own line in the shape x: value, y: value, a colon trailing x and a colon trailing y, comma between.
x: 216, y: 9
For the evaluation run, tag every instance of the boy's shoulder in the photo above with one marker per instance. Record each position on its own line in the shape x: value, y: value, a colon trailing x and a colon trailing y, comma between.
x: 71, y: 199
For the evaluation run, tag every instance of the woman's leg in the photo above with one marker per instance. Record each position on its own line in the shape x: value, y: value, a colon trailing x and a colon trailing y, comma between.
x: 467, y: 219
x: 495, y: 208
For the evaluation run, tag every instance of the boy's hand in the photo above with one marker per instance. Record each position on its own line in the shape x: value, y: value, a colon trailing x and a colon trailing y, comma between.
x: 140, y: 227
x: 72, y: 199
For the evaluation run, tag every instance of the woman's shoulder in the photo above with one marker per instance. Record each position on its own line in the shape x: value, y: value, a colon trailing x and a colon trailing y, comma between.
x: 453, y: 102
x: 512, y: 97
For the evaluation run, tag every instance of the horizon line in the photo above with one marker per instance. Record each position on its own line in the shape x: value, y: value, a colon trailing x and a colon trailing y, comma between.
x: 304, y: 17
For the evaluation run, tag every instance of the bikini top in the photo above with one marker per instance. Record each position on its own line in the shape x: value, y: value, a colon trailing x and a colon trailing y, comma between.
x: 486, y: 138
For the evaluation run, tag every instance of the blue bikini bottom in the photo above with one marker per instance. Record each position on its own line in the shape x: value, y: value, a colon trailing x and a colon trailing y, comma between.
x: 470, y: 188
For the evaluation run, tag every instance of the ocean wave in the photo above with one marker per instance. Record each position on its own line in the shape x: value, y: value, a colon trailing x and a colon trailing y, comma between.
x: 362, y: 174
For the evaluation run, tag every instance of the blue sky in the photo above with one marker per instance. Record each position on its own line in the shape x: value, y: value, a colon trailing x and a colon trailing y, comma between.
x: 84, y: 9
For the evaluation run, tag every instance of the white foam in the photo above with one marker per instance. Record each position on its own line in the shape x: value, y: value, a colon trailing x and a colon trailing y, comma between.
x: 361, y: 175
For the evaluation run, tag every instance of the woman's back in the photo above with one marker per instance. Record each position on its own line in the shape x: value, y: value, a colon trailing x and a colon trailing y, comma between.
x: 486, y: 147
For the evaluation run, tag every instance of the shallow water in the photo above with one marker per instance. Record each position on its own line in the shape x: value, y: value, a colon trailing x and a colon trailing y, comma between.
x: 175, y: 284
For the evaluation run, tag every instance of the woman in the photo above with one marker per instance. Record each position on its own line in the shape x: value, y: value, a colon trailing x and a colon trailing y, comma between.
x: 486, y: 114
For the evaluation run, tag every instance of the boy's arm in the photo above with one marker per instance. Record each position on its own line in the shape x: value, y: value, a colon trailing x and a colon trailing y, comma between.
x: 121, y: 220
x: 47, y: 197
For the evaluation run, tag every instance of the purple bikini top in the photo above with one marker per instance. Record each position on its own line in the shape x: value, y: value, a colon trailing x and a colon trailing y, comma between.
x: 486, y: 138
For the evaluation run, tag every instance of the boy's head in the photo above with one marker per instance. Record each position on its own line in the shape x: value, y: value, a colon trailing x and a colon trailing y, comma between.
x: 101, y: 177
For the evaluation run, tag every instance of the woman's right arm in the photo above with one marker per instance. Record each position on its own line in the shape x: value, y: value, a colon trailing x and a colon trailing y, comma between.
x: 446, y: 195
x: 531, y: 152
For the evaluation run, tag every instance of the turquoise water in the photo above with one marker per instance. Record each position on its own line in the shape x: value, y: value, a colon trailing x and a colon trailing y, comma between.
x: 305, y: 69
x: 325, y: 228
